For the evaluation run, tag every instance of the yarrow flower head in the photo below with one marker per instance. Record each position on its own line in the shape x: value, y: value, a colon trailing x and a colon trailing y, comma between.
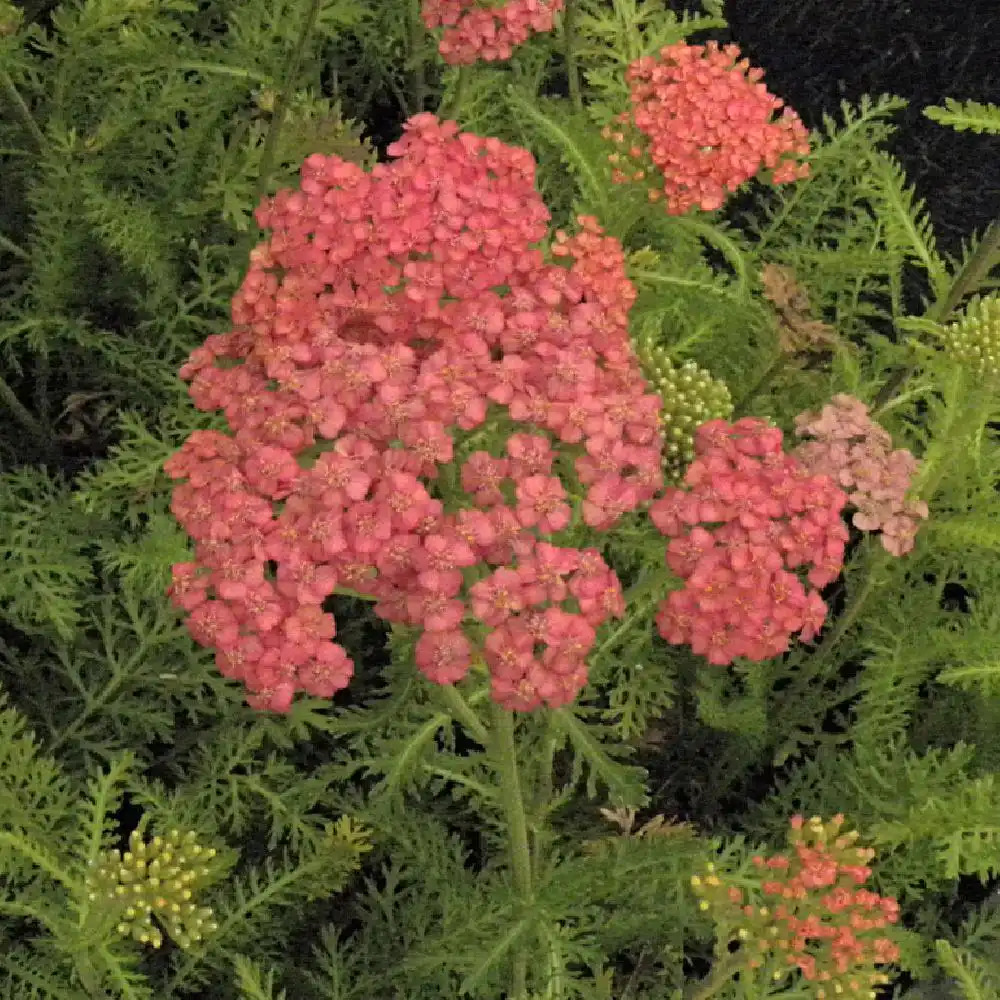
x: 388, y: 316
x: 855, y: 452
x: 810, y: 912
x: 703, y: 120
x: 157, y: 878
x: 974, y: 339
x: 748, y: 520
x: 690, y: 396
x: 475, y: 30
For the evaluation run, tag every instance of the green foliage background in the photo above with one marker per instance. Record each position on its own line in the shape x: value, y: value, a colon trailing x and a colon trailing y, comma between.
x: 362, y: 844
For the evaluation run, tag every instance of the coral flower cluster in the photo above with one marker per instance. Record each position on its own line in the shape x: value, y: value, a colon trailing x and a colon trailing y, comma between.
x: 749, y: 517
x: 707, y: 124
x: 810, y: 912
x: 856, y: 453
x: 418, y: 402
x: 474, y: 30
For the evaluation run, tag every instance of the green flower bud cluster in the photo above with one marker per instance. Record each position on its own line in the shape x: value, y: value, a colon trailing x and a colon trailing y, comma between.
x: 10, y: 18
x: 975, y: 338
x: 691, y: 397
x: 158, y: 879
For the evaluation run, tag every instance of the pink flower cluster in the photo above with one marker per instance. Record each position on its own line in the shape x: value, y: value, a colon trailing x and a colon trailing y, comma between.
x: 855, y: 452
x: 708, y: 124
x: 474, y: 31
x: 750, y: 516
x: 385, y: 323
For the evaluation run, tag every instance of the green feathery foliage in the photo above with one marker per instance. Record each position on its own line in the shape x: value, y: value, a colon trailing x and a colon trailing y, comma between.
x: 963, y: 116
x: 406, y: 839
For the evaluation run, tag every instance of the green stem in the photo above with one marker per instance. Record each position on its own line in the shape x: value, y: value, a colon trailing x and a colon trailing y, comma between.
x: 463, y: 712
x: 24, y: 417
x: 637, y: 598
x: 982, y: 261
x: 720, y: 976
x: 505, y: 755
x: 455, y: 105
x: 569, y: 49
x: 848, y: 617
x: 281, y: 104
x: 12, y: 248
x: 23, y: 112
x: 418, y: 36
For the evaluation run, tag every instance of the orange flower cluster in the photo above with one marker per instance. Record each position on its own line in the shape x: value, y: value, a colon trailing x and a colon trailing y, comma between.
x: 821, y: 921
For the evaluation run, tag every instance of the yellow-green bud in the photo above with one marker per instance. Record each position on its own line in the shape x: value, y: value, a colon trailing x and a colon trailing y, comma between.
x: 149, y: 877
x: 974, y: 339
x: 691, y: 397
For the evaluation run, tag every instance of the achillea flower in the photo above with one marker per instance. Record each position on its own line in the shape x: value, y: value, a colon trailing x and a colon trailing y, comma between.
x: 749, y: 518
x: 388, y: 315
x: 706, y: 124
x: 476, y: 31
x: 855, y: 452
x: 808, y: 913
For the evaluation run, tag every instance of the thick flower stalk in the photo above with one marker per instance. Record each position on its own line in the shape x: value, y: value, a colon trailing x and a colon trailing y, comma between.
x: 701, y: 117
x: 809, y: 912
x: 857, y: 454
x: 475, y: 30
x: 750, y: 518
x: 155, y: 879
x: 974, y: 340
x: 690, y: 397
x: 392, y: 322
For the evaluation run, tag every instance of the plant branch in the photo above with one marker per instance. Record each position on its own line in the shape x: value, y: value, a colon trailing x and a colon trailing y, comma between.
x: 12, y: 248
x: 281, y: 104
x: 721, y: 974
x: 569, y: 50
x: 462, y: 711
x: 24, y: 417
x: 982, y: 261
x: 23, y: 112
x: 418, y: 37
x: 505, y: 754
x: 455, y: 104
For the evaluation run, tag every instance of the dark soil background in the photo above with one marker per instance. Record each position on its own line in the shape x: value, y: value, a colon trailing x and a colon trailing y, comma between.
x: 817, y: 54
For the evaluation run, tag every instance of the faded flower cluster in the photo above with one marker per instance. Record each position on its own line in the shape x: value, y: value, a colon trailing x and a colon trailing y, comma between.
x: 857, y: 454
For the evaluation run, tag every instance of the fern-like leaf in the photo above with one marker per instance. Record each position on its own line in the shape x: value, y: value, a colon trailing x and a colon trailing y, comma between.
x: 967, y: 971
x: 35, y: 797
x: 591, y: 756
x: 909, y: 227
x: 253, y: 982
x: 964, y: 116
x: 43, y: 548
